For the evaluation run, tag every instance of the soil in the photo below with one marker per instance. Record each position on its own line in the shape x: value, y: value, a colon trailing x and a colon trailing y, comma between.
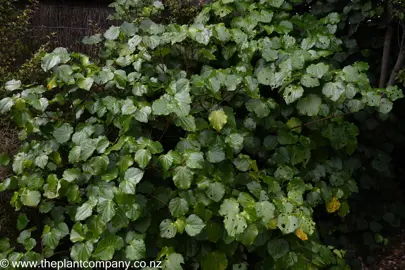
x: 393, y: 256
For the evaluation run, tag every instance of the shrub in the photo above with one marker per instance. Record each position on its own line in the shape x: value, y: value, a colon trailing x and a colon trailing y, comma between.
x: 205, y: 145
x: 16, y: 52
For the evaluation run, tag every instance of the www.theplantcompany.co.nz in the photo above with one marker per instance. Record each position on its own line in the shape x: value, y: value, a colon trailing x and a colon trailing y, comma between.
x: 66, y: 264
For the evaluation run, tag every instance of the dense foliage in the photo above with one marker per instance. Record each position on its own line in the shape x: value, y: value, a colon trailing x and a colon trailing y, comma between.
x: 19, y: 58
x: 206, y: 145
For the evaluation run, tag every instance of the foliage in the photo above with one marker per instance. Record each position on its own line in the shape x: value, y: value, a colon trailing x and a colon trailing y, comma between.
x: 363, y: 29
x: 205, y: 145
x: 182, y: 12
x: 16, y: 52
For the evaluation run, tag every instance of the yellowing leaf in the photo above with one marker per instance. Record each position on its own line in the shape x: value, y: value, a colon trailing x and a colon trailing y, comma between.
x: 272, y: 224
x: 333, y: 205
x: 218, y: 119
x: 301, y: 235
x: 52, y: 83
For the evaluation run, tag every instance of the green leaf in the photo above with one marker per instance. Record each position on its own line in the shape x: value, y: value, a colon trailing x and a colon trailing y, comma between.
x: 187, y: 123
x: 13, y: 85
x: 215, y: 154
x: 6, y: 104
x: 265, y: 210
x: 85, y: 83
x: 128, y: 107
x: 136, y: 249
x: 292, y: 93
x: 386, y: 106
x: 142, y: 157
x: 278, y: 248
x: 248, y: 237
x: 259, y: 107
x: 91, y: 40
x: 167, y: 229
x: 84, y: 211
x: 134, y: 212
x: 142, y: 114
x: 229, y: 206
x: 173, y: 262
x: 309, y: 105
x: 333, y: 90
x: 178, y: 207
x: 4, y: 244
x: 77, y: 233
x: 62, y: 134
x: 107, y: 246
x: 59, y: 55
x: 4, y: 159
x: 235, y: 224
x: 218, y: 119
x: 318, y: 70
x: 287, y: 224
x: 74, y: 154
x: 194, y: 160
x: 182, y: 177
x: 40, y: 104
x: 235, y: 140
x: 194, y: 225
x: 41, y: 161
x: 87, y: 148
x: 22, y: 221
x: 107, y: 209
x: 166, y: 161
x: 71, y: 175
x: 276, y: 3
x: 161, y: 106
x: 242, y: 163
x: 81, y: 251
x: 221, y: 32
x: 309, y: 81
x: 215, y: 191
x: 96, y: 165
x: 134, y: 41
x: 30, y: 198
x: 214, y: 261
x: 134, y: 175
x: 51, y: 237
x: 112, y: 33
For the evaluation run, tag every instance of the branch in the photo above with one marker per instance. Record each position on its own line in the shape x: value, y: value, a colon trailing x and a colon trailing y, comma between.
x: 386, y: 53
x: 322, y: 119
x: 168, y: 122
x: 399, y: 63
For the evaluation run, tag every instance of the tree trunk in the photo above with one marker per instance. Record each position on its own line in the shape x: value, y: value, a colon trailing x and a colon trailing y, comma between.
x: 399, y: 63
x: 386, y: 53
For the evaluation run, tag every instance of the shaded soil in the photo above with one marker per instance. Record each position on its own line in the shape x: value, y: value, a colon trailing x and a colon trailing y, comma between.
x: 393, y: 256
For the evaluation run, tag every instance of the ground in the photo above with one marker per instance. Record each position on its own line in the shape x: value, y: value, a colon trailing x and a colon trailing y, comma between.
x: 393, y: 256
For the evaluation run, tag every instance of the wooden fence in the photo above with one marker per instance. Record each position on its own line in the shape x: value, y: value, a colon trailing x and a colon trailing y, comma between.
x: 69, y: 24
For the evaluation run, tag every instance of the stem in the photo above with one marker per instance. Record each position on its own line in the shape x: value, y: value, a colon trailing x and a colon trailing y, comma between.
x: 399, y: 63
x: 386, y: 52
x: 322, y: 119
x: 168, y: 122
x: 158, y: 199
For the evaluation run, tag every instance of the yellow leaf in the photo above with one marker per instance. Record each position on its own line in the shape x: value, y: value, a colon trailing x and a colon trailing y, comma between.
x: 51, y: 83
x: 218, y: 119
x: 272, y: 224
x: 301, y: 235
x: 333, y: 205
